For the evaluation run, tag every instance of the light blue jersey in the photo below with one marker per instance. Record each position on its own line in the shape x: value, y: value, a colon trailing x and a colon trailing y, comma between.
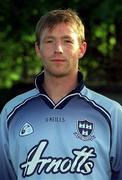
x: 79, y: 138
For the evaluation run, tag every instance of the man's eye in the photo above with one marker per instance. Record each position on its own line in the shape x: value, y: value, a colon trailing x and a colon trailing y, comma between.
x: 69, y: 41
x: 49, y: 41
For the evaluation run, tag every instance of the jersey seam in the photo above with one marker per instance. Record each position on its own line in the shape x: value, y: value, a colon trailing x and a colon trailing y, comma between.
x: 100, y: 109
x: 15, y: 108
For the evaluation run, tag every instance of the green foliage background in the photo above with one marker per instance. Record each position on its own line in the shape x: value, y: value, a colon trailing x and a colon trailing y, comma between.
x: 102, y: 63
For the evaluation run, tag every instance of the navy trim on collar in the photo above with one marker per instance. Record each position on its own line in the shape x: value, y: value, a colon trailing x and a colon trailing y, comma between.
x: 38, y: 83
x: 40, y: 78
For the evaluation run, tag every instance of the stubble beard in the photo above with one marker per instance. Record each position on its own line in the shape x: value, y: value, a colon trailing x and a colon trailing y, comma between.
x: 57, y: 73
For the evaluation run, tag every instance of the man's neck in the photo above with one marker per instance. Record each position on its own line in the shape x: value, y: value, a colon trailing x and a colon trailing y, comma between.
x: 59, y: 87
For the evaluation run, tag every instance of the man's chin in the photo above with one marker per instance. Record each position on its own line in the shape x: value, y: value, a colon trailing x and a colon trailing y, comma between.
x: 58, y: 74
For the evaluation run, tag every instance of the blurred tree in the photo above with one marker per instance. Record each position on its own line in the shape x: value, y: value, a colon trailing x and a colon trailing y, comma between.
x: 106, y: 36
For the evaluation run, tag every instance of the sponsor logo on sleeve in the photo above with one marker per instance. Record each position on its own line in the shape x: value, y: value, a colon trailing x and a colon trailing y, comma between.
x: 26, y: 129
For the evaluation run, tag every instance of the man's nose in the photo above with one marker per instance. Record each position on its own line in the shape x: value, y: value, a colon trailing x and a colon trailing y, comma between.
x: 58, y: 47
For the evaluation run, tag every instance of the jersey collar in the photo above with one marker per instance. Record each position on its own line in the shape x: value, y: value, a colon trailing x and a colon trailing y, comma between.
x: 39, y: 81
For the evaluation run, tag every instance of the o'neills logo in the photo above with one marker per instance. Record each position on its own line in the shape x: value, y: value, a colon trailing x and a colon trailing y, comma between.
x: 80, y: 162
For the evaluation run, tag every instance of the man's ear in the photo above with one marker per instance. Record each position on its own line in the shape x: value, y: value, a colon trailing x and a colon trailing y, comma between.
x: 37, y: 49
x: 82, y: 49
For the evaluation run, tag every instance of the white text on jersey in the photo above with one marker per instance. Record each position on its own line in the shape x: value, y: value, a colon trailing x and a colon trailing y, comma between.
x: 80, y: 163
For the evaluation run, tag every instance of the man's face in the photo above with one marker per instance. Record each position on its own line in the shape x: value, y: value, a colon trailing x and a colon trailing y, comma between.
x: 60, y: 50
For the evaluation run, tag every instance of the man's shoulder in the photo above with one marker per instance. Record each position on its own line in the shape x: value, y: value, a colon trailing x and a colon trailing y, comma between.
x: 19, y: 99
x: 100, y: 99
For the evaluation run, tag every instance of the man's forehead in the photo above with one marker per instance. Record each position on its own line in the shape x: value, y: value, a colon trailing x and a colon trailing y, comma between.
x: 64, y: 28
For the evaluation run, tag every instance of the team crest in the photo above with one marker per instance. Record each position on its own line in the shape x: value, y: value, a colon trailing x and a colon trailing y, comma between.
x: 85, y: 130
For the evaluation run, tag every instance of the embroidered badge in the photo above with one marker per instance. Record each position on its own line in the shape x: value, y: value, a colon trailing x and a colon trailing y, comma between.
x: 85, y: 130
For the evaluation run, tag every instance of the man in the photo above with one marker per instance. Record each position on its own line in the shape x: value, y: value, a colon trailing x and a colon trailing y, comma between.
x: 61, y: 129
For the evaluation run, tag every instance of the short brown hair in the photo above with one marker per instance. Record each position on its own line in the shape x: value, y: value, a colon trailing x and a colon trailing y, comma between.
x: 55, y: 17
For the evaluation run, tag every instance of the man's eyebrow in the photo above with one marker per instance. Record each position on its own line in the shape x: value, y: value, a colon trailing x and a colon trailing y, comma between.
x: 67, y: 36
x: 49, y: 37
x: 46, y: 38
x: 62, y: 37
